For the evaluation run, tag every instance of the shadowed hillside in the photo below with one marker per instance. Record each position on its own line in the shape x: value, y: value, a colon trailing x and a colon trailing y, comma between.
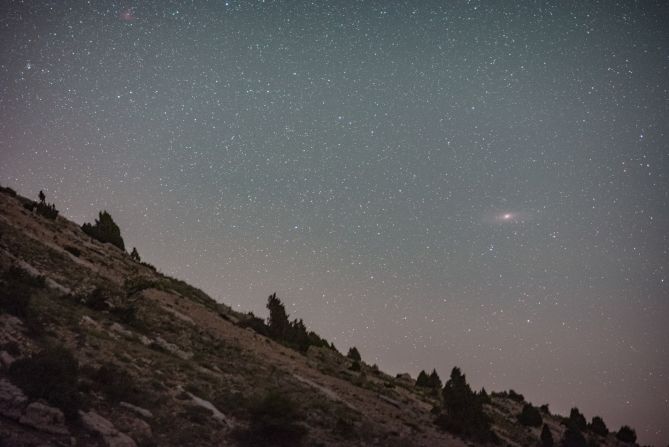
x: 98, y: 348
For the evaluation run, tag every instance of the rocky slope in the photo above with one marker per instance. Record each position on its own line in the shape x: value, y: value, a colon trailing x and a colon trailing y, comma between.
x: 136, y: 358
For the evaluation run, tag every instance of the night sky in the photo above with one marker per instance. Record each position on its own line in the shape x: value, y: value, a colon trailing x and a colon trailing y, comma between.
x: 440, y: 183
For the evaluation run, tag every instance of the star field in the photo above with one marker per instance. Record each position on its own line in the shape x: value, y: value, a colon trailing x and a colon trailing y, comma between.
x: 437, y: 183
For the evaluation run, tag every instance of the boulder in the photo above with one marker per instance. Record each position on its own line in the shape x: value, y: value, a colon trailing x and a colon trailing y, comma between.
x: 12, y: 400
x: 141, y: 411
x: 173, y: 349
x: 136, y: 428
x: 112, y: 437
x: 44, y: 418
x: 115, y: 327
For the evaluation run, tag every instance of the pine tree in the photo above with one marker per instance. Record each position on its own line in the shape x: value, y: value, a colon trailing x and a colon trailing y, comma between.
x: 626, y: 434
x: 434, y: 381
x: 546, y: 437
x: 530, y: 416
x: 278, y: 318
x: 353, y: 354
x: 463, y: 410
x: 41, y: 196
x: 105, y: 230
x: 422, y: 380
x: 484, y: 397
x: 598, y: 426
x: 577, y: 419
x: 134, y: 255
x: 573, y: 437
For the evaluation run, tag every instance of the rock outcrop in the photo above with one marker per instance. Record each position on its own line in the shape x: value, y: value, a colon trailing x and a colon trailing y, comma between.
x: 110, y: 434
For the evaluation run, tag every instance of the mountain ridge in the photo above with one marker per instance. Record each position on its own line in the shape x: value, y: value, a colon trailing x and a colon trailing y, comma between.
x: 159, y: 362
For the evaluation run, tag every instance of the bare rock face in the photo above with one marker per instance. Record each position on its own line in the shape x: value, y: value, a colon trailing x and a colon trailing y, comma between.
x: 141, y: 411
x: 44, y: 418
x: 172, y: 348
x: 112, y: 437
x: 12, y: 400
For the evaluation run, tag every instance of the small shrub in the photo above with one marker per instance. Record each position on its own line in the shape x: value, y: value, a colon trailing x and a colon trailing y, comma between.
x: 626, y: 434
x: 530, y: 416
x: 137, y: 284
x: 344, y: 427
x: 146, y: 264
x: 50, y: 375
x: 544, y: 409
x: 115, y: 383
x: 197, y: 414
x: 355, y: 366
x: 99, y: 299
x: 47, y: 210
x: 255, y: 323
x: 127, y: 315
x: 16, y: 293
x: 232, y: 402
x: 30, y: 205
x: 24, y: 277
x: 274, y: 421
x: 105, y: 230
x: 15, y: 299
x: 7, y: 190
x: 12, y: 348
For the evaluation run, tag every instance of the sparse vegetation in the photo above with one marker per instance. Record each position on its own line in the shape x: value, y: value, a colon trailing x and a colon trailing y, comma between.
x: 224, y: 369
x: 7, y: 190
x: 99, y: 299
x: 105, y: 230
x: 255, y: 323
x: 45, y: 209
x: 50, y: 375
